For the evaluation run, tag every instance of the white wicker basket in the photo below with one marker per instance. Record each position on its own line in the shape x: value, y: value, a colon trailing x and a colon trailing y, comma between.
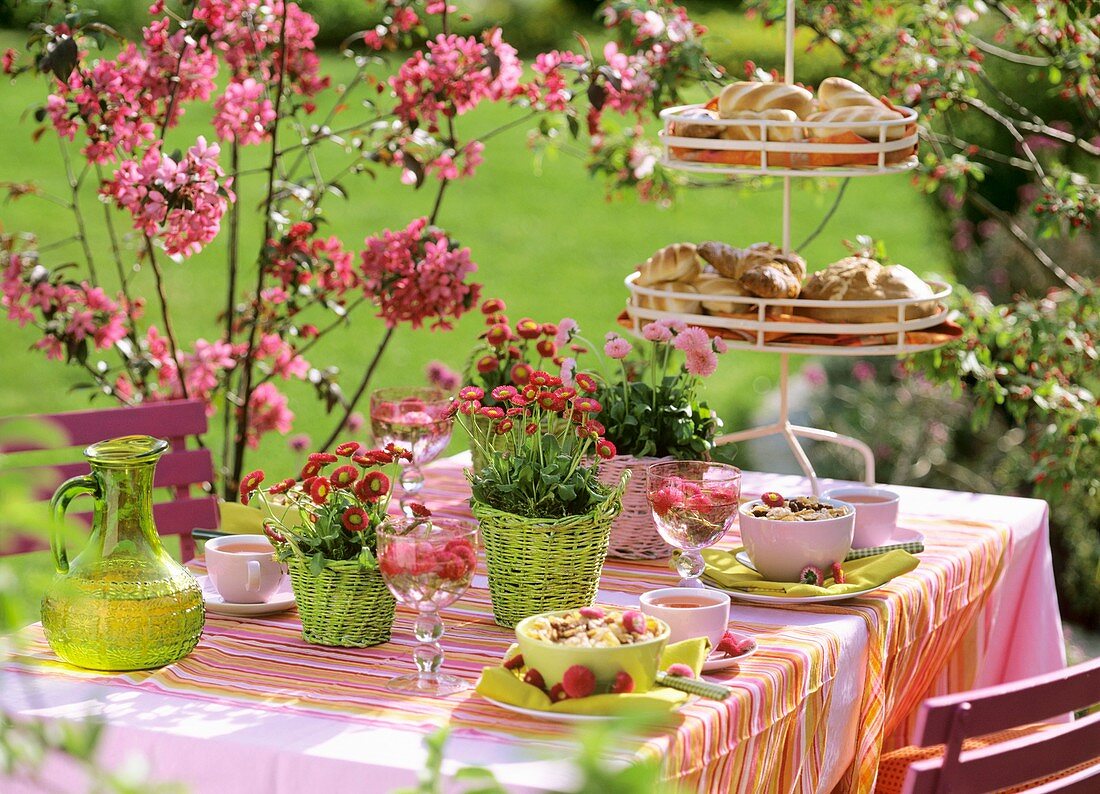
x: 633, y: 534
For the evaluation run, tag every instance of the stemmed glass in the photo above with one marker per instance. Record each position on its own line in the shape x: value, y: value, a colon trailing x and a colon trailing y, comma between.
x: 694, y: 503
x: 427, y: 564
x: 417, y: 419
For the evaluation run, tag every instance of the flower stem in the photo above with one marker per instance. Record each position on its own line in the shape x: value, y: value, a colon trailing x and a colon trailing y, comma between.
x: 350, y: 406
x: 159, y: 278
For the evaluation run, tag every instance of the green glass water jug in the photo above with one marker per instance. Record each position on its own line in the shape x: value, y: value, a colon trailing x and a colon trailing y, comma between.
x: 123, y: 603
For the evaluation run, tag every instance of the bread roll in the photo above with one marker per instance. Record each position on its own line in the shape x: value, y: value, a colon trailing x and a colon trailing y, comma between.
x: 779, y: 278
x: 664, y: 303
x: 750, y: 131
x: 855, y: 115
x: 676, y: 262
x: 710, y: 284
x: 836, y: 92
x: 862, y: 278
x: 739, y: 97
x: 690, y: 129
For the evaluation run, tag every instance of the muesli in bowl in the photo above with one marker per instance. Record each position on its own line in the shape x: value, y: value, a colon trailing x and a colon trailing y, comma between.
x: 785, y: 536
x: 615, y: 645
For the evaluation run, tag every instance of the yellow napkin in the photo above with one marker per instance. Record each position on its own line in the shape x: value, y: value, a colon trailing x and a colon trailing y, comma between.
x: 505, y: 686
x: 238, y: 519
x: 859, y: 575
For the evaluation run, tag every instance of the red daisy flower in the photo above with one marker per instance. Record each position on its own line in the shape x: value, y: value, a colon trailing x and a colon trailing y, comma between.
x: 531, y: 429
x: 586, y: 382
x: 499, y: 335
x: 372, y: 487
x: 355, y: 519
x: 347, y: 449
x: 344, y: 476
x: 596, y: 427
x: 605, y: 449
x: 399, y: 452
x: 250, y: 483
x: 282, y: 487
x: 514, y: 352
x: 471, y: 393
x: 665, y: 499
x: 589, y: 405
x: 491, y: 412
x: 321, y: 457
x: 320, y: 489
x: 547, y: 399
x: 547, y: 348
x: 504, y: 426
x: 521, y: 374
x: 566, y: 393
x: 539, y: 378
x: 492, y: 306
x: 549, y: 329
x: 311, y: 469
x: 519, y: 401
x: 515, y: 411
x: 487, y: 364
x: 503, y: 393
x: 418, y: 510
x: 528, y: 328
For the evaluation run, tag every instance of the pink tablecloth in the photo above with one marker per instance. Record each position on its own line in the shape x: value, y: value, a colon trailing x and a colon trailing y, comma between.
x: 256, y: 709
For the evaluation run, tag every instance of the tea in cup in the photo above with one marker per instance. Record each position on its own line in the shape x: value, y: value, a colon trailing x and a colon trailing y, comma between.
x: 243, y: 568
x: 876, y: 513
x: 689, y: 612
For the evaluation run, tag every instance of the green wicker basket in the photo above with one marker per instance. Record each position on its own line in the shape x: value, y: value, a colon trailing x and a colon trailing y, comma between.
x: 343, y: 605
x: 538, y: 565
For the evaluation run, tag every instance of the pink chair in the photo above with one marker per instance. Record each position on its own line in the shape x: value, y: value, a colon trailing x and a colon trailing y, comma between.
x: 178, y: 470
x: 1040, y: 757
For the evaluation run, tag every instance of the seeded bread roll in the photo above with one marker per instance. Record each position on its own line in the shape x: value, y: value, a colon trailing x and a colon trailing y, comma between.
x: 663, y: 303
x: 750, y: 131
x: 857, y: 278
x: 739, y: 97
x: 836, y: 92
x: 676, y: 262
x: 855, y: 115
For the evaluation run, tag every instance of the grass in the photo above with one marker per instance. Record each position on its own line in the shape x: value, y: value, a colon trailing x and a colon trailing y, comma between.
x: 546, y: 238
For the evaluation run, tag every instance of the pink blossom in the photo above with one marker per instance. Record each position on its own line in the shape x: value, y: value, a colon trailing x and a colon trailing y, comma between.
x: 52, y: 345
x: 814, y: 374
x: 692, y: 340
x: 268, y: 412
x: 701, y: 362
x: 551, y: 89
x: 299, y: 442
x: 567, y: 329
x: 568, y: 370
x: 242, y: 113
x: 617, y: 347
x: 416, y: 274
x: 203, y: 366
x: 442, y: 377
x: 656, y: 332
x: 355, y: 422
x: 7, y: 62
x: 862, y: 371
x: 720, y: 345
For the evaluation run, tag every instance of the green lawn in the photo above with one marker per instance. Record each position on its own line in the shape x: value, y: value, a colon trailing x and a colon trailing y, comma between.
x: 546, y: 239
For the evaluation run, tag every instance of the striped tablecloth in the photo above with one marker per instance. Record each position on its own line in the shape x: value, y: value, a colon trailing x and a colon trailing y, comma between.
x: 830, y: 688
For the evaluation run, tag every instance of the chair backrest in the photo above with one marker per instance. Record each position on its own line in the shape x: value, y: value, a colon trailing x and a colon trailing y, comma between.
x: 951, y: 719
x: 178, y: 470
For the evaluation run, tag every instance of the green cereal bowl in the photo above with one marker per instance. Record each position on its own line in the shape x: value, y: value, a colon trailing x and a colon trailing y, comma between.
x: 640, y: 660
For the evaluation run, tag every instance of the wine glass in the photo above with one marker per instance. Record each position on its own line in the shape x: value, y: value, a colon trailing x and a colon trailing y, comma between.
x: 694, y: 503
x: 415, y: 418
x: 427, y: 564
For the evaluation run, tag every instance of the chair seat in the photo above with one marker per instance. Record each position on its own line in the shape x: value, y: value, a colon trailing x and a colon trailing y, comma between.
x: 894, y: 765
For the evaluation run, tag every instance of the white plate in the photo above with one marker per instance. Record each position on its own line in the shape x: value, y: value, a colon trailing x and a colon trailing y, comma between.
x: 766, y: 598
x: 720, y: 661
x: 553, y: 716
x: 900, y: 535
x: 282, y: 600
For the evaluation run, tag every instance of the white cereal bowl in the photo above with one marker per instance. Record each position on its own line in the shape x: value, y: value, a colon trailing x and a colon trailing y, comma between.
x: 779, y: 550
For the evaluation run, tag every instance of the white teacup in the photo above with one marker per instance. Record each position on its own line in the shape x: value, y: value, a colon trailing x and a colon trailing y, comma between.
x: 689, y: 612
x: 876, y: 513
x: 243, y: 568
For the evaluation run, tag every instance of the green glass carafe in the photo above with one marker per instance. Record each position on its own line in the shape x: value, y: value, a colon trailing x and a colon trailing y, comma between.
x: 123, y: 603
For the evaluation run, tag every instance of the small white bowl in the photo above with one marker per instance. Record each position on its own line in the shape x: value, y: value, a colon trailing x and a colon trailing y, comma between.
x: 876, y: 513
x: 781, y: 549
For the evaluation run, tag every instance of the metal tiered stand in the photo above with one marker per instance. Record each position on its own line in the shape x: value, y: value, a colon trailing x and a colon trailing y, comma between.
x: 752, y: 323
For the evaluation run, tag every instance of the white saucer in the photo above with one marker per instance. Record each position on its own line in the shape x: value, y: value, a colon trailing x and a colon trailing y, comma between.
x: 282, y: 600
x: 720, y: 661
x: 555, y: 716
x: 901, y: 535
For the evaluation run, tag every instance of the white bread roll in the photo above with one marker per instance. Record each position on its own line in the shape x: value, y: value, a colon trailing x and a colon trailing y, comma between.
x: 861, y: 278
x: 712, y: 284
x: 836, y: 92
x: 739, y: 97
x: 856, y: 115
x: 676, y: 262
x: 751, y: 131
x: 663, y: 303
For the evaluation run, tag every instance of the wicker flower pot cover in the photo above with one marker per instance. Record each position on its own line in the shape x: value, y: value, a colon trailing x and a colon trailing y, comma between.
x: 544, y: 565
x: 343, y: 605
x: 634, y: 536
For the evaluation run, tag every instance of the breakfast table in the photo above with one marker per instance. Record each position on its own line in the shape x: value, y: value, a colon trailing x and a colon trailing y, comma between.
x: 831, y: 686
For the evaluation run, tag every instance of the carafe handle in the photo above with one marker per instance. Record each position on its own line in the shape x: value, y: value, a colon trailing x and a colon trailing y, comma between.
x: 68, y: 490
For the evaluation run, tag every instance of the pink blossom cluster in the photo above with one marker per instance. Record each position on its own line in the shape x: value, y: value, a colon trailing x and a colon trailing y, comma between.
x: 635, y: 85
x: 242, y: 113
x: 68, y: 313
x: 455, y: 165
x: 700, y: 350
x: 180, y: 203
x: 302, y: 263
x: 442, y: 377
x: 551, y: 89
x: 454, y: 76
x: 417, y: 274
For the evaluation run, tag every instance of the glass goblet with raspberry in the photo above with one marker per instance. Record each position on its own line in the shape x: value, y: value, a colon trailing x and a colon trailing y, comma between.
x: 427, y: 564
x: 694, y: 503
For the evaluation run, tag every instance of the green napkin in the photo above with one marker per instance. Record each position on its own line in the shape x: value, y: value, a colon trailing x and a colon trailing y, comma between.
x: 238, y: 519
x: 505, y: 686
x: 859, y: 575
